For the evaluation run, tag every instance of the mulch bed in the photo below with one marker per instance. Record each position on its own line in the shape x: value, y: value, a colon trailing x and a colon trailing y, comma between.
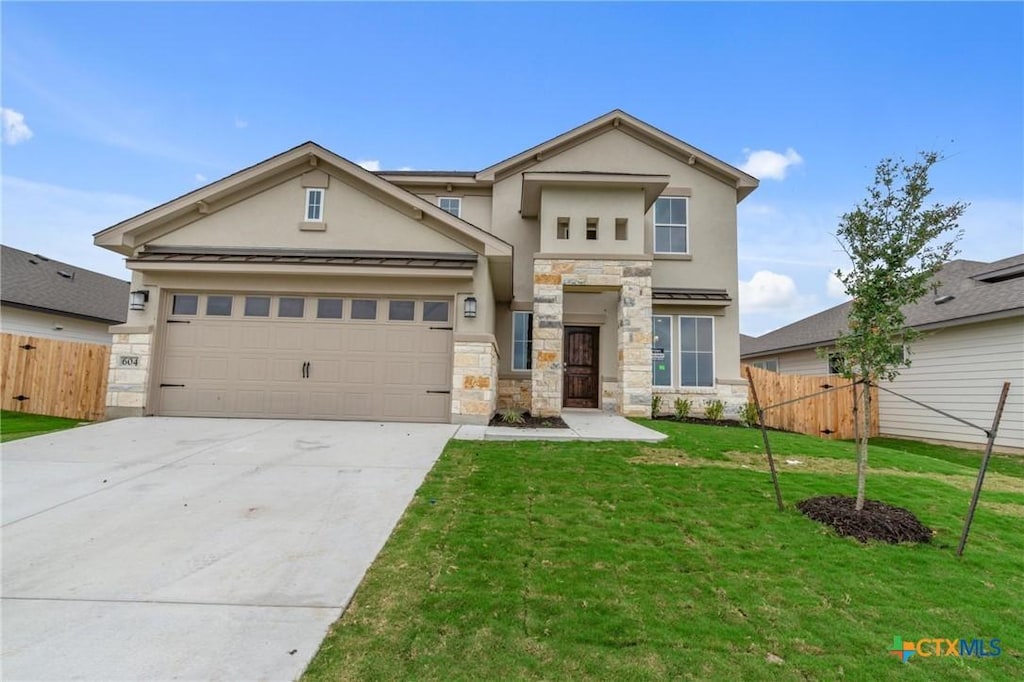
x: 531, y: 422
x: 877, y: 521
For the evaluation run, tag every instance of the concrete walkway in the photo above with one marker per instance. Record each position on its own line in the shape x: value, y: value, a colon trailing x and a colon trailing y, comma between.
x: 583, y: 425
x: 194, y: 549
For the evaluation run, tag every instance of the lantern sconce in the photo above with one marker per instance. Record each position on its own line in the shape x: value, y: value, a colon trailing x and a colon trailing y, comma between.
x: 139, y: 299
x: 469, y: 307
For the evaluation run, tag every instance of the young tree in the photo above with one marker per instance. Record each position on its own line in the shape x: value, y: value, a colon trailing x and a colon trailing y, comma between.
x: 896, y: 245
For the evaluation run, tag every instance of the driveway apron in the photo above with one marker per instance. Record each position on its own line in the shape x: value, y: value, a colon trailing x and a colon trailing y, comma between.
x: 194, y: 549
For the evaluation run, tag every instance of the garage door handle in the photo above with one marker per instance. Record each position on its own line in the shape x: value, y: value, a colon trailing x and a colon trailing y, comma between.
x: 305, y: 370
x: 309, y: 366
x: 448, y: 391
x: 172, y: 385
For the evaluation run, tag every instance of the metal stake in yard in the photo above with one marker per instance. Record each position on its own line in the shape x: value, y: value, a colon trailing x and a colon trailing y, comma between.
x: 984, y: 467
x: 764, y: 435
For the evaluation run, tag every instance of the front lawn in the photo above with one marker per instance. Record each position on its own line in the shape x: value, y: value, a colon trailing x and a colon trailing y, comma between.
x: 15, y: 425
x: 531, y: 560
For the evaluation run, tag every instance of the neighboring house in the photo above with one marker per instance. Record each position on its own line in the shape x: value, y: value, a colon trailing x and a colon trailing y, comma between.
x: 973, y: 324
x: 47, y: 298
x: 306, y: 286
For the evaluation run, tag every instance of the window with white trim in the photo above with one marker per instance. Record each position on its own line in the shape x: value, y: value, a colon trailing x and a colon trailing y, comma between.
x: 451, y: 204
x: 771, y: 364
x: 836, y: 361
x: 314, y: 205
x: 670, y: 225
x: 522, y: 340
x: 696, y: 351
x: 661, y: 351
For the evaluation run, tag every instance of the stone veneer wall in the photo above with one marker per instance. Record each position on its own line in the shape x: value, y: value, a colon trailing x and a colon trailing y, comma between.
x: 126, y: 387
x: 474, y: 382
x: 514, y: 394
x: 734, y: 396
x: 633, y: 278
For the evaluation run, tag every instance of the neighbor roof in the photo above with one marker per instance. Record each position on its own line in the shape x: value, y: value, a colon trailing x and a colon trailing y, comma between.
x: 33, y: 281
x: 973, y: 299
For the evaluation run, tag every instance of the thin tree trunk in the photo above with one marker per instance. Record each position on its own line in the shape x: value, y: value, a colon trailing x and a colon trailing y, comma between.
x: 862, y: 445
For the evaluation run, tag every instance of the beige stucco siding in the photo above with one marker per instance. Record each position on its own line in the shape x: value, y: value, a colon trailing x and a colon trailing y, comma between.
x: 476, y: 208
x: 579, y: 204
x: 960, y: 370
x: 272, y: 218
x: 711, y: 221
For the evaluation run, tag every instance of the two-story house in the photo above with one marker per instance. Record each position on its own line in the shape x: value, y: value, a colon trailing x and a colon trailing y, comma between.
x: 592, y: 270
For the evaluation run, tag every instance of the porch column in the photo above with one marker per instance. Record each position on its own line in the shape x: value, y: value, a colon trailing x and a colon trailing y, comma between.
x: 635, y: 338
x: 547, y: 340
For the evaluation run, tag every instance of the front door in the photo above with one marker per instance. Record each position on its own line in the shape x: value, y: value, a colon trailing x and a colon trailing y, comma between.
x: 581, y: 388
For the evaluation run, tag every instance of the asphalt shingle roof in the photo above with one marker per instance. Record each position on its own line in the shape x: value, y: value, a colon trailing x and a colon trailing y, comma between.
x: 34, y: 281
x: 962, y: 279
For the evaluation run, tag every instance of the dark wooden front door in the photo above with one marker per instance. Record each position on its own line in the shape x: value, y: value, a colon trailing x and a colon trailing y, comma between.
x: 581, y: 388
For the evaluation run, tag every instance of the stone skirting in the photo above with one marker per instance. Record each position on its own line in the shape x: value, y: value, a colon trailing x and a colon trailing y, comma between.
x: 632, y: 277
x: 514, y: 394
x: 474, y: 382
x: 734, y: 396
x: 126, y: 386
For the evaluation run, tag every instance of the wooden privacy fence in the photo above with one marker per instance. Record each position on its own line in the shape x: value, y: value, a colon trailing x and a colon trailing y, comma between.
x: 56, y: 378
x: 829, y: 415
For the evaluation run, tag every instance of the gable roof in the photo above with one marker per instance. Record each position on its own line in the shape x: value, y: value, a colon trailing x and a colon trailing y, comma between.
x: 122, y: 236
x: 619, y: 119
x: 33, y: 281
x: 973, y: 300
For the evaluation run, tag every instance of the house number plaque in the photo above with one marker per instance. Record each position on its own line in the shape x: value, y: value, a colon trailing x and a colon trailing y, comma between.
x: 128, y: 360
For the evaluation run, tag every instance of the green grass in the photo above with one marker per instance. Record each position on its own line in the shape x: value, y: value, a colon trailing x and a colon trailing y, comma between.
x: 1011, y: 465
x: 15, y: 425
x: 532, y: 560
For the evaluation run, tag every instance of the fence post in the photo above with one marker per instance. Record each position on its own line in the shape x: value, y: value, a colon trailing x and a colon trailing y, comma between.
x: 984, y: 467
x: 764, y: 436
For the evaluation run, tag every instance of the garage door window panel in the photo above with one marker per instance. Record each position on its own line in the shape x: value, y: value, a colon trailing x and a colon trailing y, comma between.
x: 185, y: 304
x: 363, y: 309
x: 329, y: 308
x: 401, y: 311
x: 435, y: 311
x: 257, y: 306
x: 291, y: 307
x: 219, y: 306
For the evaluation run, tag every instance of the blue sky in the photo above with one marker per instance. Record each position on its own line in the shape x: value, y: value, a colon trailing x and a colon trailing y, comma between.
x: 111, y: 109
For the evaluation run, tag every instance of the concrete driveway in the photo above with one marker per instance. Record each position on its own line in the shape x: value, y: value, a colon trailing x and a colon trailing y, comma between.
x: 194, y: 549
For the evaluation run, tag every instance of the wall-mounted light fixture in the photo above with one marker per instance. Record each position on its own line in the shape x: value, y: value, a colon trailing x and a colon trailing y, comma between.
x: 138, y: 299
x: 469, y: 307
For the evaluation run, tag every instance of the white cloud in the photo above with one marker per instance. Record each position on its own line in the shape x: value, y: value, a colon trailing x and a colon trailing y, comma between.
x: 769, y: 291
x: 765, y: 164
x: 371, y: 165
x: 241, y: 123
x: 834, y: 287
x: 200, y: 177
x: 73, y: 215
x: 406, y: 168
x: 15, y: 128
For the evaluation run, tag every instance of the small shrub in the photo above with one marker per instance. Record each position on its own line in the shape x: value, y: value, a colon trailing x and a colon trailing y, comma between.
x: 749, y: 414
x: 655, y: 405
x: 714, y: 409
x: 682, y: 408
x: 511, y: 415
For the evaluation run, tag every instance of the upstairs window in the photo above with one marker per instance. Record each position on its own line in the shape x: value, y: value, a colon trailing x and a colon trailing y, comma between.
x: 670, y: 225
x: 451, y: 204
x: 592, y: 229
x: 314, y: 205
x: 772, y: 364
